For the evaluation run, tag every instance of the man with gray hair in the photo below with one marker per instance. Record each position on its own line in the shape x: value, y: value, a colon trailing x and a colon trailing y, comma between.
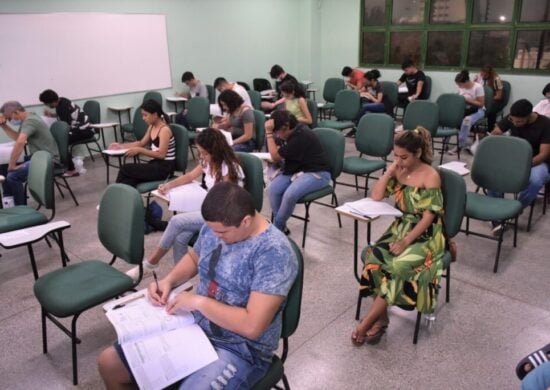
x: 32, y: 131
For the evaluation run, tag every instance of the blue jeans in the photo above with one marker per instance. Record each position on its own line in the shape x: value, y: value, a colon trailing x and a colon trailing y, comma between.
x: 537, y: 179
x: 283, y: 193
x: 537, y: 379
x: 247, y: 146
x: 372, y: 107
x: 467, y: 124
x: 14, y: 185
x: 181, y: 228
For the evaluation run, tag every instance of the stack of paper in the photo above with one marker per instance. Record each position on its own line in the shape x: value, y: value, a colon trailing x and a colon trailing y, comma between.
x: 456, y: 166
x: 115, y: 152
x: 186, y: 198
x: 370, y: 208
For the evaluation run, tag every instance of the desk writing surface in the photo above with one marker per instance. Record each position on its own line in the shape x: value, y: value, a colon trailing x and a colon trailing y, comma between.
x: 30, y: 234
x: 456, y: 166
x: 5, y: 153
x: 103, y: 125
x: 176, y: 99
x: 119, y: 108
x: 114, y: 152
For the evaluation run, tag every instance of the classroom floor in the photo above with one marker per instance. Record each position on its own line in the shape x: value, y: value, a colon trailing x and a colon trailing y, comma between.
x: 491, y: 322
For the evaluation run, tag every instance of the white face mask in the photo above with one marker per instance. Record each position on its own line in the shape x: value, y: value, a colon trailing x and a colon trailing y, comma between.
x: 15, y: 122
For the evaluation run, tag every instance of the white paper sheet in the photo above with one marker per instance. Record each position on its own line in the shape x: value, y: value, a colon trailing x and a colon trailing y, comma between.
x: 115, y: 152
x: 456, y: 166
x: 370, y: 208
x: 186, y: 198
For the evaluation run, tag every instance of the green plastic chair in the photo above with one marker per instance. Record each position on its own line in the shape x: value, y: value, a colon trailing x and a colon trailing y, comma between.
x: 60, y: 133
x: 390, y: 93
x: 182, y: 146
x: 374, y: 137
x: 211, y: 93
x: 40, y: 185
x: 255, y: 98
x: 253, y: 177
x: 481, y: 126
x: 451, y: 113
x: 153, y: 95
x: 198, y: 115
x: 260, y: 84
x: 427, y: 88
x: 259, y: 129
x: 333, y: 143
x: 346, y: 110
x: 291, y: 319
x: 92, y: 109
x: 313, y: 111
x: 545, y: 191
x: 422, y: 113
x: 494, y: 170
x: 453, y: 187
x: 73, y: 289
x: 137, y: 129
x: 331, y: 88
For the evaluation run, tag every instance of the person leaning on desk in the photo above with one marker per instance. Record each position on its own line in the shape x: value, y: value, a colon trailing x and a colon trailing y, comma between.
x: 246, y: 268
x: 32, y: 131
x: 162, y: 152
x: 217, y: 162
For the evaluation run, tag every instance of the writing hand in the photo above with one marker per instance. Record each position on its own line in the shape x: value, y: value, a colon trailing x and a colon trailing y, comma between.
x: 164, y: 188
x: 158, y: 297
x: 184, y: 300
x: 398, y: 247
x: 115, y: 146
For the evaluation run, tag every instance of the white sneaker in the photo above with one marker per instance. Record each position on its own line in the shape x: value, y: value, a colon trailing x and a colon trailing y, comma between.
x: 147, y: 270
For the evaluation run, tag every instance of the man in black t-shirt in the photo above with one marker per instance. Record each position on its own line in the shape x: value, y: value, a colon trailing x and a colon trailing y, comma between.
x: 535, y: 129
x: 415, y: 80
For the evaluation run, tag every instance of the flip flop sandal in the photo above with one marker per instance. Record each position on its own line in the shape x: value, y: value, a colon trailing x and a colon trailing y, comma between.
x: 535, y: 359
x: 375, y: 338
x: 358, y: 339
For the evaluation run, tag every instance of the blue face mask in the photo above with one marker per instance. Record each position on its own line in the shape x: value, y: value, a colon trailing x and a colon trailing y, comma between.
x: 15, y: 122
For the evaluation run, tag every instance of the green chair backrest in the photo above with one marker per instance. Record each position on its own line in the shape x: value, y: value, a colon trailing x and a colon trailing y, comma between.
x: 120, y: 222
x: 390, y: 92
x: 153, y: 95
x: 375, y: 133
x: 313, y: 111
x: 453, y: 187
x: 498, y: 106
x: 253, y: 177
x: 211, y: 94
x: 182, y: 146
x: 334, y: 144
x: 92, y: 109
x: 259, y: 128
x: 422, y: 113
x: 332, y: 87
x: 347, y: 105
x: 139, y: 125
x: 40, y: 180
x: 427, y: 88
x: 255, y: 98
x: 244, y: 85
x: 489, y: 101
x: 60, y: 133
x: 451, y: 110
x: 502, y: 164
x: 198, y: 112
x: 260, y: 84
x: 293, y: 307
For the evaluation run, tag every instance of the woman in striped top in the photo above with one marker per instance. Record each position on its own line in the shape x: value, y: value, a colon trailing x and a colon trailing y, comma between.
x: 162, y: 152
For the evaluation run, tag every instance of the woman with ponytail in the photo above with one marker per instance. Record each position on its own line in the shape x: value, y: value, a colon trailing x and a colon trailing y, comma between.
x: 162, y: 152
x: 404, y: 266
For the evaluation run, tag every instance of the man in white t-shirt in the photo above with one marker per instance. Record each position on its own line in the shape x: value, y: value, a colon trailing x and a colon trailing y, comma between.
x: 221, y: 84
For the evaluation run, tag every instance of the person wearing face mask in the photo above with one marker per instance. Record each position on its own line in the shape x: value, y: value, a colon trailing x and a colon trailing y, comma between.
x: 32, y: 131
x: 535, y: 129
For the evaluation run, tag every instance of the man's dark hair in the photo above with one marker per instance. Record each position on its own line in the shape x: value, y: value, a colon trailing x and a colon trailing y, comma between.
x: 407, y: 64
x: 546, y: 89
x: 187, y: 76
x: 276, y: 71
x: 346, y: 71
x: 283, y: 118
x: 522, y: 108
x: 228, y: 204
x: 219, y: 81
x: 48, y: 96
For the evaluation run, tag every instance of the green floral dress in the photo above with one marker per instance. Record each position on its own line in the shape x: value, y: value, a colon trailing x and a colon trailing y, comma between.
x: 410, y: 279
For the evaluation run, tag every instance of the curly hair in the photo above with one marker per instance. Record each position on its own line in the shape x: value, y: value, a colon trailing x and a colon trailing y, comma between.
x: 215, y: 144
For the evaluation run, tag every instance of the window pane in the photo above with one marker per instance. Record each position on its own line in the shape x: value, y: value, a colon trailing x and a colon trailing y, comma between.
x: 532, y: 50
x: 408, y: 11
x: 444, y: 48
x: 375, y: 13
x: 448, y: 11
x: 487, y: 11
x: 405, y: 45
x: 488, y: 47
x: 373, y: 48
x: 535, y: 11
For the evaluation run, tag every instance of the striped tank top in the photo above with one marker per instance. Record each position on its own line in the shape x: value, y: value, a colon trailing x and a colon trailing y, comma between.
x: 170, y: 153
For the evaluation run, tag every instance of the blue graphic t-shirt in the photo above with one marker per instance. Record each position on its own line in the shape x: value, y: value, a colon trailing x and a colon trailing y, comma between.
x: 265, y: 263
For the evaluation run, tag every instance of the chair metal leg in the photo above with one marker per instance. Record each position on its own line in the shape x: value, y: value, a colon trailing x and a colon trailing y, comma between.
x: 417, y: 327
x: 358, y: 309
x: 467, y: 225
x: 356, y: 183
x: 59, y: 189
x: 448, y: 285
x: 495, y: 268
x: 515, y: 231
x: 70, y: 190
x: 33, y: 261
x: 44, y: 331
x: 306, y: 220
x: 285, y: 381
x: 530, y: 216
x: 335, y: 198
x: 74, y: 342
x: 90, y: 152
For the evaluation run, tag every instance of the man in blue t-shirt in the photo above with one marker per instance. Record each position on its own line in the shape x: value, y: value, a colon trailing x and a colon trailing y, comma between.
x: 246, y: 268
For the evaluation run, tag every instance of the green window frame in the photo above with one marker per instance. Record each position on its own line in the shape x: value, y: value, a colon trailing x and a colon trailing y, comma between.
x: 510, y: 31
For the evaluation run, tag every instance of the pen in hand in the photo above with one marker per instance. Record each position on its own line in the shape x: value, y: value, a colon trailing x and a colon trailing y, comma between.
x: 156, y: 281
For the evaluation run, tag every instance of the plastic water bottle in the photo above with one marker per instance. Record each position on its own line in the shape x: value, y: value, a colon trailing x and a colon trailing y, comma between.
x: 79, y: 165
x: 430, y: 320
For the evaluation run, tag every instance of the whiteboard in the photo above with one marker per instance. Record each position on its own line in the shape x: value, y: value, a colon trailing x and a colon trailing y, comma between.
x: 81, y: 55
